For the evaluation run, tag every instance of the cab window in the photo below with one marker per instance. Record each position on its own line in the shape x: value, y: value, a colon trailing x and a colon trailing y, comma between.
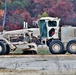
x: 52, y: 23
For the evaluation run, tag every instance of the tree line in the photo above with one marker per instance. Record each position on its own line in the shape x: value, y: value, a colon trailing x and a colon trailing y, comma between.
x: 19, y: 11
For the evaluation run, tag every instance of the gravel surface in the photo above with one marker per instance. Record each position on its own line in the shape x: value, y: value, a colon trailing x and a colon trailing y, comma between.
x: 38, y: 65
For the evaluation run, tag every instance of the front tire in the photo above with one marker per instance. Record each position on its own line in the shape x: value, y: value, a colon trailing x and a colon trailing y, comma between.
x: 2, y: 48
x: 56, y: 47
x: 7, y: 49
x: 71, y: 47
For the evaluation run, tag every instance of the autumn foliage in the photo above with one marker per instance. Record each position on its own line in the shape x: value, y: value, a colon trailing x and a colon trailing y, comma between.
x: 19, y: 11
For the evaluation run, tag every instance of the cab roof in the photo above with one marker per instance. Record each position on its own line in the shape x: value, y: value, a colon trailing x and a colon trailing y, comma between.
x: 49, y: 18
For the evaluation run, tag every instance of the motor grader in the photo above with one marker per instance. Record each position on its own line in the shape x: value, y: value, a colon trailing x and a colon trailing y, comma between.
x: 58, y: 39
x: 18, y: 39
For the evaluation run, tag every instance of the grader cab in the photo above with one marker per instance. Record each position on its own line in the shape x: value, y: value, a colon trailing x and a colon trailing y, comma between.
x: 49, y: 27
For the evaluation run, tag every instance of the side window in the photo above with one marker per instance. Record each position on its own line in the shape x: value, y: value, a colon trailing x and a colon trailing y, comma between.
x: 52, y: 23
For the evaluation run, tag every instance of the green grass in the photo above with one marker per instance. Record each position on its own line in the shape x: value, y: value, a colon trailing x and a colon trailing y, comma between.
x: 43, y: 50
x: 18, y: 51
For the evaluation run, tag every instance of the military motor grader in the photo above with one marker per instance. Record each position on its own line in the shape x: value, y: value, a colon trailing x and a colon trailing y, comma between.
x: 58, y: 39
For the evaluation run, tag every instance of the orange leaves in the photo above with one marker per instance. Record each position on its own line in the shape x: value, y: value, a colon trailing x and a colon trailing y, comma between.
x: 1, y: 13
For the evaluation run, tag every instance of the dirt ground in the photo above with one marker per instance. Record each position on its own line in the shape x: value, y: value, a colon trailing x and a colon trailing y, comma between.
x: 38, y: 65
x: 35, y: 72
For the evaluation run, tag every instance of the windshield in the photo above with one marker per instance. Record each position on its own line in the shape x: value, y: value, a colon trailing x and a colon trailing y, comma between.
x: 52, y: 23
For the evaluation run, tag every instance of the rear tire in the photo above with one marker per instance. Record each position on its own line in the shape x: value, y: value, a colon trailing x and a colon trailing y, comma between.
x: 2, y: 48
x: 71, y: 47
x: 56, y: 47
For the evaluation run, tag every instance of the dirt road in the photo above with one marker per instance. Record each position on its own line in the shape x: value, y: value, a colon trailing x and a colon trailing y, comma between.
x: 38, y: 65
